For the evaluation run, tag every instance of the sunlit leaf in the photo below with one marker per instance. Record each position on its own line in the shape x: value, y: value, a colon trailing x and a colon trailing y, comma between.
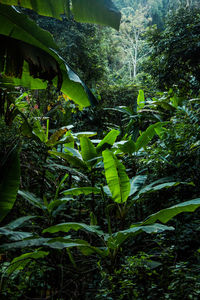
x: 109, y: 139
x: 117, y: 179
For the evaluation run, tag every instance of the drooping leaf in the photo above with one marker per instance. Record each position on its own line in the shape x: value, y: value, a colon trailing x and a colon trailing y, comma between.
x: 90, y: 11
x: 159, y: 185
x: 44, y: 7
x: 84, y: 133
x: 123, y: 109
x: 34, y: 56
x: 119, y: 237
x: 62, y: 243
x: 82, y: 190
x: 116, y: 177
x: 18, y: 222
x: 167, y: 214
x: 65, y: 227
x: 55, y: 206
x: 18, y: 263
x: 9, y: 183
x: 32, y: 199
x: 41, y: 64
x: 15, y: 235
x: 70, y: 170
x: 128, y: 147
x: 72, y: 160
x: 147, y: 135
x: 32, y: 242
x: 109, y: 139
x: 136, y: 183
x: 74, y: 152
x: 96, y: 11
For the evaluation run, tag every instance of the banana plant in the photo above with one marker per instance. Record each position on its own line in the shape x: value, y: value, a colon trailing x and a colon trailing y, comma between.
x: 128, y: 192
x: 50, y: 209
x: 130, y: 147
x: 87, y: 156
x: 110, y: 243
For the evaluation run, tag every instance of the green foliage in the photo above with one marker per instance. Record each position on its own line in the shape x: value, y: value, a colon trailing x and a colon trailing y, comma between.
x: 117, y: 179
x: 100, y: 12
x: 33, y: 43
x: 166, y: 214
x: 9, y: 181
x: 20, y: 262
x: 174, y: 57
x: 87, y: 221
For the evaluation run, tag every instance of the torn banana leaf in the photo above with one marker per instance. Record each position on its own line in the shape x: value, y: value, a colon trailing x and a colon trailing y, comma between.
x: 29, y: 57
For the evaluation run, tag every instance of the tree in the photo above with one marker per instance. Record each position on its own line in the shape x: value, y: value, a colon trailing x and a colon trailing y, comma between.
x: 175, y: 51
x: 129, y: 44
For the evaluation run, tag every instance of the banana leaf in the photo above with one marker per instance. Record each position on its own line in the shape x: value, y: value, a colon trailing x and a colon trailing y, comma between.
x: 101, y: 12
x: 117, y: 179
x: 29, y: 57
x: 9, y: 183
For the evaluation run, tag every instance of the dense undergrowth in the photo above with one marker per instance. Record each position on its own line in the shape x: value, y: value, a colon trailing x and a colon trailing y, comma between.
x: 65, y: 179
x: 107, y: 195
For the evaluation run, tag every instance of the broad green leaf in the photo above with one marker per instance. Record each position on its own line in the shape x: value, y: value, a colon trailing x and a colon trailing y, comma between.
x: 91, y: 11
x: 128, y: 147
x: 175, y: 100
x: 18, y: 222
x: 74, y: 152
x: 96, y: 11
x: 15, y: 235
x: 18, y: 263
x: 32, y: 242
x: 64, y: 242
x: 136, y: 183
x: 38, y: 131
x: 88, y: 151
x: 72, y: 160
x: 84, y: 133
x: 167, y: 214
x: 56, y: 207
x: 140, y: 100
x: 116, y: 177
x: 44, y: 7
x: 9, y: 183
x: 65, y: 227
x: 109, y: 139
x: 82, y: 190
x: 147, y: 135
x: 123, y: 109
x: 119, y: 237
x: 25, y: 41
x: 154, y: 186
x: 70, y: 170
x: 32, y: 199
x: 164, y: 105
